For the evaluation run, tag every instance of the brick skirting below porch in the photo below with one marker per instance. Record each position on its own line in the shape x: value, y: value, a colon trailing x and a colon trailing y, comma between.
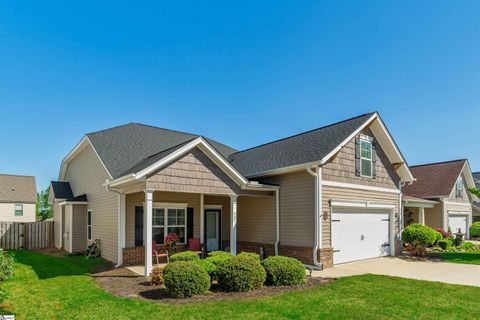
x: 136, y: 255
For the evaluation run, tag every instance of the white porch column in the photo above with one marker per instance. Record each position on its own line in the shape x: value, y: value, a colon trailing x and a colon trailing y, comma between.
x: 202, y: 219
x: 233, y: 224
x: 421, y: 215
x: 121, y: 227
x: 147, y: 231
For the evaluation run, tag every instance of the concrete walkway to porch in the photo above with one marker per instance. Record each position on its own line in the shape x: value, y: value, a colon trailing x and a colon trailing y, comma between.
x: 140, y: 269
x: 428, y: 270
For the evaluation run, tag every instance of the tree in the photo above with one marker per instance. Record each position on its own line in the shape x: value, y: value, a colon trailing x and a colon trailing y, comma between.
x: 43, y: 208
x: 475, y: 192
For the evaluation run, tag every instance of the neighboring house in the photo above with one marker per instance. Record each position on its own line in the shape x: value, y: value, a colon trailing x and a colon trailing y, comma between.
x: 476, y: 202
x: 439, y: 197
x: 326, y: 196
x: 18, y: 196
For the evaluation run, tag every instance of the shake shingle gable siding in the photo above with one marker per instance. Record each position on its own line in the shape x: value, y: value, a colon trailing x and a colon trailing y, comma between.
x: 299, y: 149
x: 124, y: 147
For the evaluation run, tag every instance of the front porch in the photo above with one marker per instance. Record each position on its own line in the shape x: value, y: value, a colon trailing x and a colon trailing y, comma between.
x: 415, y: 211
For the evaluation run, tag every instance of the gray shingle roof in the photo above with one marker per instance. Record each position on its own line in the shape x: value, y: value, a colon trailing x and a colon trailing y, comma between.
x: 299, y: 149
x: 15, y: 188
x: 124, y: 148
x: 476, y: 177
x: 63, y: 191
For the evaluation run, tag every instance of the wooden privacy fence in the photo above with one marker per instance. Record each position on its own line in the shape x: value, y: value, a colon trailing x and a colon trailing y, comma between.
x: 26, y: 235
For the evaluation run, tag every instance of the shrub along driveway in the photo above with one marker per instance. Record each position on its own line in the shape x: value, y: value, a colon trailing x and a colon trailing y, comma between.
x: 48, y: 287
x: 429, y: 270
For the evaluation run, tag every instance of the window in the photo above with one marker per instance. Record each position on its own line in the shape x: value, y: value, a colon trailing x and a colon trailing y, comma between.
x: 19, y: 209
x: 365, y: 158
x: 167, y: 220
x: 459, y: 189
x: 89, y: 225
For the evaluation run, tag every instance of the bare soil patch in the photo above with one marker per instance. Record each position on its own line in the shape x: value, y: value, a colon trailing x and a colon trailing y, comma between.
x: 52, y: 251
x: 125, y: 283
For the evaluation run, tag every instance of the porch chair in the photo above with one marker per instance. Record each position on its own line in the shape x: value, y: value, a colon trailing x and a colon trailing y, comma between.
x: 194, y: 245
x: 157, y: 253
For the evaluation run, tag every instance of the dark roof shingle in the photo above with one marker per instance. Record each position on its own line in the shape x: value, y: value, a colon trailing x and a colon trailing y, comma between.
x: 434, y: 180
x: 124, y: 147
x: 298, y: 149
x: 14, y: 188
x: 63, y: 191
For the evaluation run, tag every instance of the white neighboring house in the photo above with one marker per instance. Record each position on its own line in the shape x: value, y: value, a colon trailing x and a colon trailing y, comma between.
x: 18, y: 195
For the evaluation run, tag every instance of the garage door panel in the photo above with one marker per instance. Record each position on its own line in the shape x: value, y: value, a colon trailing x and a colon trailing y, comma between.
x: 457, y: 222
x: 359, y: 235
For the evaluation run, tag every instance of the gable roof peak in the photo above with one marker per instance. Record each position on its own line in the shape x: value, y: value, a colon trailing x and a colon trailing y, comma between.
x: 438, y: 163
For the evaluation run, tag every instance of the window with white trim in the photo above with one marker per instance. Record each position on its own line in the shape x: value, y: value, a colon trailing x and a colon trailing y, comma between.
x: 366, y: 158
x: 459, y: 189
x: 167, y: 220
x: 89, y: 225
x: 19, y: 210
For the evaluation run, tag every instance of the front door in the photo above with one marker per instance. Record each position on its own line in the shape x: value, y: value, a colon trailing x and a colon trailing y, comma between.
x: 212, y: 230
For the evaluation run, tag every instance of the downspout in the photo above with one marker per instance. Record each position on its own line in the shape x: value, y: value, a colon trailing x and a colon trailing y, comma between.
x: 277, y: 221
x: 318, y: 214
x: 119, y: 264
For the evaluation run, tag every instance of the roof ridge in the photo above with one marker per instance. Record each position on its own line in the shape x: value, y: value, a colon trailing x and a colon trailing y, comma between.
x: 305, y: 132
x: 435, y: 163
x: 107, y: 129
x: 161, y: 128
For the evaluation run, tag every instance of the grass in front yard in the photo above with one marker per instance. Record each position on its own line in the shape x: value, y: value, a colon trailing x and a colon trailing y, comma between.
x: 462, y: 257
x: 47, y: 287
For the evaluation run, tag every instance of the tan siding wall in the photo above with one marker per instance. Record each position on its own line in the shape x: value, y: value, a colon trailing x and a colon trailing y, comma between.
x: 466, y: 195
x: 433, y: 216
x: 57, y: 225
x: 137, y: 199
x: 342, y: 169
x: 195, y: 173
x: 68, y: 229
x: 333, y: 193
x: 297, y: 205
x: 79, y: 232
x: 413, y: 217
x: 7, y: 212
x: 256, y: 219
x: 86, y: 174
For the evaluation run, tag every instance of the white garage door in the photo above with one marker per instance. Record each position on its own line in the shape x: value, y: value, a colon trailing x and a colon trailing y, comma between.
x: 359, y: 234
x: 456, y: 223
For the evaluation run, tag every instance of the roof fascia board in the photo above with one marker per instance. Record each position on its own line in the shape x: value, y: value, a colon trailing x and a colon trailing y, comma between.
x: 61, y: 203
x: 72, y: 153
x: 294, y: 168
x: 211, y: 153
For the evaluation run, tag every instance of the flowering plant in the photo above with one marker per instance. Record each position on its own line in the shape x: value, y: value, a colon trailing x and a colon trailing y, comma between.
x: 171, y: 239
x: 445, y: 234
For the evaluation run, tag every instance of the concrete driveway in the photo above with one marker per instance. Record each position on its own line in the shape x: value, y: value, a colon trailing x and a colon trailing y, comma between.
x: 428, y: 270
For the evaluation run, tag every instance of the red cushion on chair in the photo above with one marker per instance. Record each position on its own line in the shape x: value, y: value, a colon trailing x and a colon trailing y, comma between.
x: 194, y: 244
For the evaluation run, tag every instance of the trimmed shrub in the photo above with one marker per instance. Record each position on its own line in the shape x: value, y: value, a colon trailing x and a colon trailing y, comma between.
x: 284, y: 271
x: 6, y: 265
x: 216, y: 258
x: 240, y: 274
x: 208, y: 266
x: 184, y: 256
x: 468, y: 246
x: 438, y: 237
x: 475, y: 230
x: 250, y: 255
x: 156, y: 276
x: 445, y: 244
x: 184, y: 279
x: 420, y: 234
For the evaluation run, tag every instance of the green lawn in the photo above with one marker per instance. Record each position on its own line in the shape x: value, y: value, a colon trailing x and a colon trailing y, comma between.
x: 459, y: 257
x: 60, y: 288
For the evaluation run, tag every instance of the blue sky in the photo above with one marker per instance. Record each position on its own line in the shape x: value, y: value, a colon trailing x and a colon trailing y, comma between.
x: 244, y: 72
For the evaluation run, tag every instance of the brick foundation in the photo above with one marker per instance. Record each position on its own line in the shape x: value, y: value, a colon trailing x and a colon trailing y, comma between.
x: 136, y: 255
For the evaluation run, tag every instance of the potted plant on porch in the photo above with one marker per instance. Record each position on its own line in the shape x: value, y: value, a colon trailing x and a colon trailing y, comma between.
x: 170, y: 242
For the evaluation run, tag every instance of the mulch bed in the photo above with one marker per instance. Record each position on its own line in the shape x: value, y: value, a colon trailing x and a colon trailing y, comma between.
x: 52, y: 251
x: 125, y: 283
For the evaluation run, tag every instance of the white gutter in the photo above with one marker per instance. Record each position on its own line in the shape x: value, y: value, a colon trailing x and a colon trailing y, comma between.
x: 119, y: 226
x: 318, y: 214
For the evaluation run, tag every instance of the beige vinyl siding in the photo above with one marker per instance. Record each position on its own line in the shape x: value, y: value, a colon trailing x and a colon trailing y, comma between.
x: 57, y: 225
x: 411, y: 215
x: 256, y: 219
x: 87, y: 175
x: 342, y: 168
x: 334, y: 193
x: 466, y: 194
x: 225, y: 218
x: 7, y: 212
x: 433, y: 216
x: 297, y: 205
x: 137, y: 200
x: 195, y: 173
x: 79, y: 232
x: 68, y: 228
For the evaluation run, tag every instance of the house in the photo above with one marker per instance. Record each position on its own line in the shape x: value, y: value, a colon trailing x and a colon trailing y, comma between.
x: 476, y: 202
x: 18, y: 196
x: 439, y: 198
x: 325, y: 196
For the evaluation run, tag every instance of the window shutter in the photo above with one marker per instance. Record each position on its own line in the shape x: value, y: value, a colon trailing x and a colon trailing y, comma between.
x: 357, y: 156
x: 374, y: 161
x: 189, y: 224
